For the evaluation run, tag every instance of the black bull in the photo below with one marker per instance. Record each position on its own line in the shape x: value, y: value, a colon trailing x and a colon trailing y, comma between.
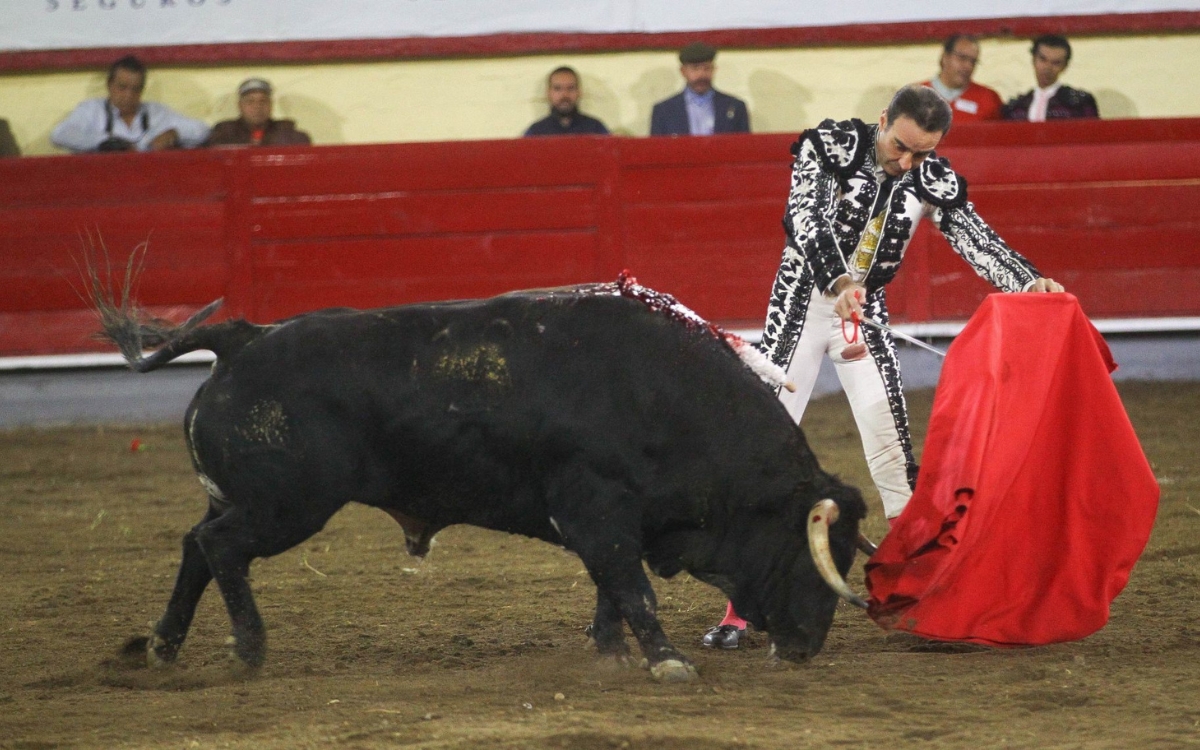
x: 578, y: 416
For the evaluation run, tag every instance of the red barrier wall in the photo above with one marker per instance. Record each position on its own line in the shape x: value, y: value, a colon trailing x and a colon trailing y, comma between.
x: 1110, y: 208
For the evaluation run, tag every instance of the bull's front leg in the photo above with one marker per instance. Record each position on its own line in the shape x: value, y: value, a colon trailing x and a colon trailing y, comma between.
x: 592, y: 517
x: 623, y: 581
x: 608, y: 629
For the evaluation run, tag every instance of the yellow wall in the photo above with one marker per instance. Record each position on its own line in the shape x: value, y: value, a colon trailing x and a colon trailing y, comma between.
x: 786, y: 89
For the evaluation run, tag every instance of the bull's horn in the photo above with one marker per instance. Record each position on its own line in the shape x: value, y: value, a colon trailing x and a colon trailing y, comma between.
x: 820, y: 518
x: 866, y: 545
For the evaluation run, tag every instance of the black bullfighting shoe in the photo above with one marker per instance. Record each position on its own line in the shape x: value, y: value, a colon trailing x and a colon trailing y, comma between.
x: 722, y: 636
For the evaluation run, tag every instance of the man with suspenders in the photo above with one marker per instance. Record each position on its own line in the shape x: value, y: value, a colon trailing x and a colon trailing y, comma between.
x: 123, y: 122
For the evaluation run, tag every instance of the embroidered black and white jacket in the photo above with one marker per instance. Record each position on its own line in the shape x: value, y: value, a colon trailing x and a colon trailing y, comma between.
x: 834, y: 186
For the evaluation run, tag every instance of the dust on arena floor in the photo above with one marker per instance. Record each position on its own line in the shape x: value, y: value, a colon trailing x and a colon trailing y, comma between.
x: 483, y: 644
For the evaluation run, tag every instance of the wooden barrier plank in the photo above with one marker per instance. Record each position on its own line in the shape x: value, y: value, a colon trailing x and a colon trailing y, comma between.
x: 729, y: 148
x: 1141, y: 130
x: 60, y: 289
x: 111, y: 179
x: 399, y: 215
x: 1102, y: 204
x: 1125, y: 162
x: 1053, y: 249
x: 1102, y: 294
x: 478, y: 165
x: 291, y: 277
x: 673, y: 183
x: 734, y: 221
x: 182, y: 232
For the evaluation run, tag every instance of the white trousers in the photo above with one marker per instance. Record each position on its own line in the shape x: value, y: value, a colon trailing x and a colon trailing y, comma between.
x: 863, y: 382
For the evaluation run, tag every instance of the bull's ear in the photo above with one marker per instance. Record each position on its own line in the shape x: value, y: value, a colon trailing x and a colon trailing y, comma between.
x: 798, y: 518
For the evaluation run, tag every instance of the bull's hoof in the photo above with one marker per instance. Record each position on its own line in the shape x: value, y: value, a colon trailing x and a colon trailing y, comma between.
x: 248, y: 653
x: 159, y: 653
x: 776, y: 655
x: 614, y: 662
x: 674, y: 670
x: 134, y: 654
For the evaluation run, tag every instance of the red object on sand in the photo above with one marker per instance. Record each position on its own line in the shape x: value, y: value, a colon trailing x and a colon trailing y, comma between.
x: 1034, y: 499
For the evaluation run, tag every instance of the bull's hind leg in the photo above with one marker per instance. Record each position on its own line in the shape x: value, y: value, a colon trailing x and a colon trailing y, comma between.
x: 236, y: 538
x: 228, y: 544
x: 193, y: 577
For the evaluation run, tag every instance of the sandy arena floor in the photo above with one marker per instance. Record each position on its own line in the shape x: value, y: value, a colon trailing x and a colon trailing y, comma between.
x: 482, y: 644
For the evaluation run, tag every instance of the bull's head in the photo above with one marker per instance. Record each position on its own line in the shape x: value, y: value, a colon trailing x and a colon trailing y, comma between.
x: 799, y: 621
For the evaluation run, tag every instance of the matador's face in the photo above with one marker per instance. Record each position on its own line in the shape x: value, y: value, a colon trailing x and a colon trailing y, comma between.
x: 902, y: 145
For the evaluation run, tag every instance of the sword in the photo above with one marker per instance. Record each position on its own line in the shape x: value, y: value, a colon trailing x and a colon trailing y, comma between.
x: 910, y: 339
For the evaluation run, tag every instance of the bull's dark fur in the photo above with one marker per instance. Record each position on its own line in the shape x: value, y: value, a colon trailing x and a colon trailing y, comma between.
x: 580, y: 417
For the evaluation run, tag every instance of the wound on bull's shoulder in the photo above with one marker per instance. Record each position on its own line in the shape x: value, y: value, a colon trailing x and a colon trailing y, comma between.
x: 484, y: 364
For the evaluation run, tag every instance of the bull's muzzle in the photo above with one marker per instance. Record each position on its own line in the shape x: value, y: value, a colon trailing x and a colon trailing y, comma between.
x: 823, y: 515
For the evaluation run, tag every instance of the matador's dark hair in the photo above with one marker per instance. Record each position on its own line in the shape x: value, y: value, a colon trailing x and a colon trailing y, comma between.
x: 925, y: 106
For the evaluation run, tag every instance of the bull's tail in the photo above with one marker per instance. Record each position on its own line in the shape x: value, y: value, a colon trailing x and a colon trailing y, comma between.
x: 133, y: 331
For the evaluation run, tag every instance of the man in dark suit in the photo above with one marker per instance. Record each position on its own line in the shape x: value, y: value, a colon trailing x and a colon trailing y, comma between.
x: 1051, y: 100
x: 699, y: 109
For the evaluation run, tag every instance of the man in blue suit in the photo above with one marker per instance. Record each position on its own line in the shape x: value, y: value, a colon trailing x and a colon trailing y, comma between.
x: 699, y: 109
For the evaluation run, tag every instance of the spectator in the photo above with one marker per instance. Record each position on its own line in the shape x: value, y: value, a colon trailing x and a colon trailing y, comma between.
x: 8, y: 144
x: 1051, y: 100
x: 123, y: 122
x: 970, y: 101
x: 255, y: 127
x: 699, y: 109
x: 563, y: 91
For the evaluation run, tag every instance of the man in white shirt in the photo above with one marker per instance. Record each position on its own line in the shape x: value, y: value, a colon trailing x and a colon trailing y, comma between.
x: 1051, y: 100
x: 123, y: 122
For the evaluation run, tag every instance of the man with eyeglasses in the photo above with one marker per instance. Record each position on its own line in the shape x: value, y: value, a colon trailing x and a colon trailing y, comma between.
x: 971, y: 102
x: 858, y: 193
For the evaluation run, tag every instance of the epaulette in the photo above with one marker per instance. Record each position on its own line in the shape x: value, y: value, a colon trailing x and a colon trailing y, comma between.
x: 841, y: 146
x: 1074, y: 97
x: 940, y: 185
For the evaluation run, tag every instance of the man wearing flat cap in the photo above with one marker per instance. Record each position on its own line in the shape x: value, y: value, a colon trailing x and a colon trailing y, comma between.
x: 699, y: 109
x: 255, y: 127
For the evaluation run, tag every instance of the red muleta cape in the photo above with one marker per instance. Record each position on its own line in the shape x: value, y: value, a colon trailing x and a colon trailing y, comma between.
x: 1034, y: 498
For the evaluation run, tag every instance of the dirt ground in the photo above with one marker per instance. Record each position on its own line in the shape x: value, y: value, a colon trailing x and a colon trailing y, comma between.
x: 482, y: 644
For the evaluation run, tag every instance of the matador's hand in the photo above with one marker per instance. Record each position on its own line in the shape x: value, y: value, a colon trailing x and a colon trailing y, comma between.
x: 1046, y: 285
x: 850, y: 297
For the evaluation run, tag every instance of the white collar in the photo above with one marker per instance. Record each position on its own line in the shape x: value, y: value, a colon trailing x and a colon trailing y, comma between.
x: 1050, y: 90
